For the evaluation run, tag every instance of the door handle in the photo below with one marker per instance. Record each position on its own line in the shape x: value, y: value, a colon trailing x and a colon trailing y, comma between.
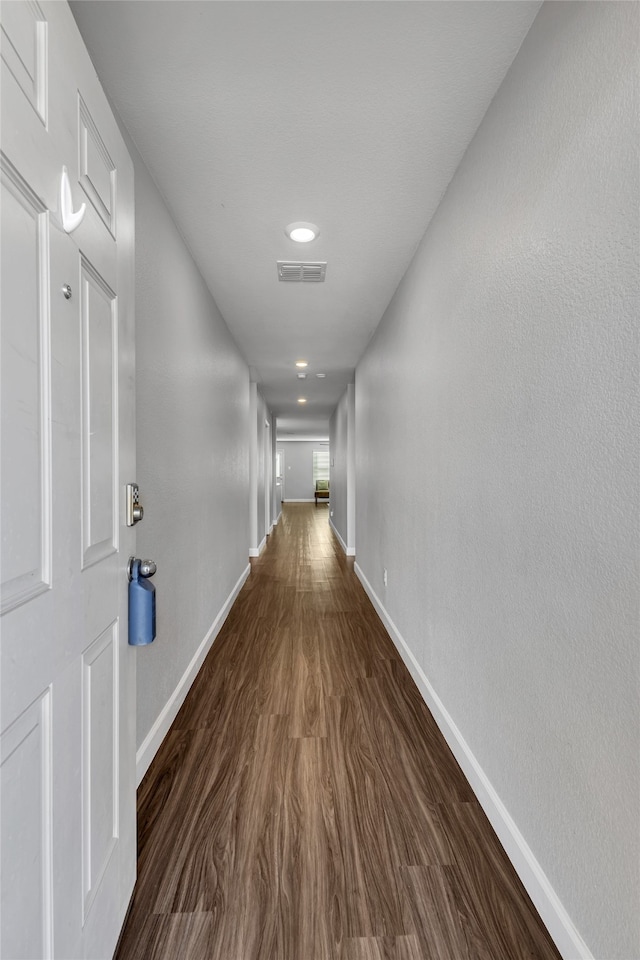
x: 146, y: 568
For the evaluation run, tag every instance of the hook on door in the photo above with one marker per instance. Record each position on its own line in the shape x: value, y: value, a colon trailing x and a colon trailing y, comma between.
x: 70, y: 220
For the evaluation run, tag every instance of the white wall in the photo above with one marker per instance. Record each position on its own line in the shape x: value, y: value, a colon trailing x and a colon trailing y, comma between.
x: 497, y: 468
x: 298, y: 467
x: 342, y: 444
x: 193, y: 457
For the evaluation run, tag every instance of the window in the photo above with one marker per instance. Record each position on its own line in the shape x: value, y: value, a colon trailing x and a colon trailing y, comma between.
x: 320, y: 465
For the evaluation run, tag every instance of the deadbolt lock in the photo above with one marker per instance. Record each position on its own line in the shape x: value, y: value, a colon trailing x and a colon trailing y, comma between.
x: 135, y: 510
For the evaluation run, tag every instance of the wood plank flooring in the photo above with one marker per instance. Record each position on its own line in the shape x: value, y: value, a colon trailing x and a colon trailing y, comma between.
x: 304, y: 805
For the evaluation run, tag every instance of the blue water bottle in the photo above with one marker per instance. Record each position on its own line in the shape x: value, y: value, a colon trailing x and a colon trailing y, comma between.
x: 142, y: 602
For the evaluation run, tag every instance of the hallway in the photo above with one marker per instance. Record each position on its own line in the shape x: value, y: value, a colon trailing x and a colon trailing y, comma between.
x: 304, y: 805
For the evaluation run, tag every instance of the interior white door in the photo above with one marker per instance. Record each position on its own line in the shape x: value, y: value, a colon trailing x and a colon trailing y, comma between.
x: 280, y: 474
x: 268, y: 480
x: 67, y: 715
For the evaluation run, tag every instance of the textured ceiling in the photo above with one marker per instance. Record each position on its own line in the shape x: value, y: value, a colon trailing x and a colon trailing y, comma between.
x: 351, y: 115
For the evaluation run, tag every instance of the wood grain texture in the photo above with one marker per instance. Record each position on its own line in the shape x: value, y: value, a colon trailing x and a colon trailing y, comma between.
x: 304, y: 805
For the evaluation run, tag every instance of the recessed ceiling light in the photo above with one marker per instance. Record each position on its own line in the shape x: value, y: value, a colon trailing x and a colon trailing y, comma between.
x: 301, y: 363
x: 320, y: 376
x: 302, y: 232
x: 302, y: 399
x: 302, y: 376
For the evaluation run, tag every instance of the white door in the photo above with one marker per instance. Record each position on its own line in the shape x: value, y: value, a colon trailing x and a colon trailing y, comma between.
x: 67, y: 717
x: 268, y: 480
x: 280, y: 474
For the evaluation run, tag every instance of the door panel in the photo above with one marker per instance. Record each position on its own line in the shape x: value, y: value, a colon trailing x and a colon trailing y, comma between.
x: 99, y: 323
x: 25, y: 758
x: 26, y: 464
x: 68, y: 675
x: 25, y: 51
x: 100, y: 760
x: 97, y: 169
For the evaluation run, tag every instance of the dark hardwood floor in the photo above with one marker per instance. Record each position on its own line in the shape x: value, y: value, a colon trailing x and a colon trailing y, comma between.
x: 304, y: 805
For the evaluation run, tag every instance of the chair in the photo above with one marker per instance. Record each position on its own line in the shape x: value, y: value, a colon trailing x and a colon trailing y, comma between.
x: 322, y: 490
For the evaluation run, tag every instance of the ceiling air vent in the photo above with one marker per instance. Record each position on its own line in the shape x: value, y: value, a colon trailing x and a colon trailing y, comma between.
x: 301, y: 272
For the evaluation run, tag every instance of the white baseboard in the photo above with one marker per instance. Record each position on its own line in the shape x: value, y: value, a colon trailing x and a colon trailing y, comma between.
x: 350, y: 551
x: 256, y: 551
x: 275, y: 522
x: 300, y: 500
x: 151, y: 743
x: 547, y: 903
